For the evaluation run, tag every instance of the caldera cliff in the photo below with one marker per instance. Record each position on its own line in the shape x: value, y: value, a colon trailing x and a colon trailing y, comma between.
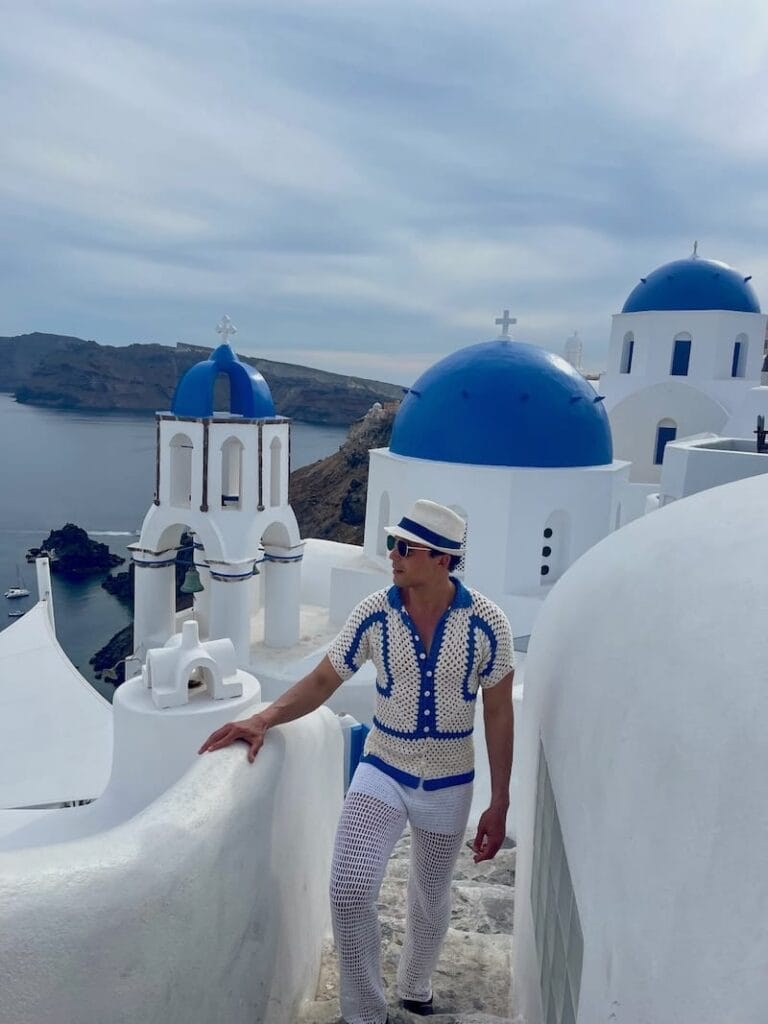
x: 68, y: 373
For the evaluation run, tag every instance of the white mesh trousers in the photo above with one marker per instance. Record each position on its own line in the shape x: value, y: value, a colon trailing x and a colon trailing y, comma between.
x: 375, y: 813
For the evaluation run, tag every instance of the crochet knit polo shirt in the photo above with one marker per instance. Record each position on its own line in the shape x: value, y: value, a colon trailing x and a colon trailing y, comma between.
x: 425, y: 701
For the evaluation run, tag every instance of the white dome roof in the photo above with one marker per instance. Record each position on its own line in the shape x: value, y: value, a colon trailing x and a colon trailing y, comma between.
x: 646, y: 685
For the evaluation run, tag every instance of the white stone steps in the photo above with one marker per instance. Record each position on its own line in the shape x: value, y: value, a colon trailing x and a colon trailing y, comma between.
x: 473, y: 980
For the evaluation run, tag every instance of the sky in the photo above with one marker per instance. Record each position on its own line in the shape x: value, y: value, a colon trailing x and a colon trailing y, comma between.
x: 365, y: 186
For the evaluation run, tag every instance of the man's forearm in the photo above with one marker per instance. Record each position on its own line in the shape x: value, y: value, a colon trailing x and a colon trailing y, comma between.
x: 499, y: 740
x: 305, y: 696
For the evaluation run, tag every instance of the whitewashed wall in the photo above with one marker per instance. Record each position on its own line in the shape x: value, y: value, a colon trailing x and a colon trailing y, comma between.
x: 507, y: 510
x: 699, y: 401
x: 697, y: 464
x: 645, y: 684
x: 713, y: 333
x: 210, y: 905
x: 743, y: 419
x: 635, y: 421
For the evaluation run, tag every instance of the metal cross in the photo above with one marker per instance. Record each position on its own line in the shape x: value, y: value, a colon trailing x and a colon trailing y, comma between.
x: 504, y: 322
x: 225, y: 328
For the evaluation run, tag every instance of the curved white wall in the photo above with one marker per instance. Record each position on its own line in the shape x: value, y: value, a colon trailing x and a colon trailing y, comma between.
x: 507, y: 510
x: 210, y: 905
x: 634, y: 422
x: 645, y: 683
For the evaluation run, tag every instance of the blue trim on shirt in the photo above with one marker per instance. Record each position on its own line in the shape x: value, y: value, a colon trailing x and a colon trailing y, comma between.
x: 419, y: 734
x: 475, y: 620
x: 349, y: 657
x: 413, y: 781
x: 448, y: 780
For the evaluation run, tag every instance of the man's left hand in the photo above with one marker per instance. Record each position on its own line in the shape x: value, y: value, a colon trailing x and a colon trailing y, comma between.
x: 491, y: 832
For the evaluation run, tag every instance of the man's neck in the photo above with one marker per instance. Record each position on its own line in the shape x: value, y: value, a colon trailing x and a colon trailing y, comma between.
x: 429, y: 600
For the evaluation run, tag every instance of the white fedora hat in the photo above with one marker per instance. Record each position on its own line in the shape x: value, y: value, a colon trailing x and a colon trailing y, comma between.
x: 438, y: 527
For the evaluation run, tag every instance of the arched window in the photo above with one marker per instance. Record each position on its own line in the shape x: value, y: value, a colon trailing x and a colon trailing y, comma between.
x: 181, y: 470
x: 381, y: 523
x: 681, y: 355
x: 739, y: 358
x: 666, y: 431
x: 617, y: 522
x: 459, y: 570
x: 555, y: 547
x: 627, y: 351
x: 231, y: 472
x: 275, y: 471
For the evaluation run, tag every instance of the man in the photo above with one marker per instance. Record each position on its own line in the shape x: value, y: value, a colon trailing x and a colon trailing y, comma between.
x: 435, y: 644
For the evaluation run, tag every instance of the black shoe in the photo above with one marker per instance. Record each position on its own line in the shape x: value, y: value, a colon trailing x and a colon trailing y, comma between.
x: 422, y: 1008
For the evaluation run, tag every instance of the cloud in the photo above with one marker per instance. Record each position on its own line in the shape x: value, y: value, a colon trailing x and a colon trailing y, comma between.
x: 366, y: 181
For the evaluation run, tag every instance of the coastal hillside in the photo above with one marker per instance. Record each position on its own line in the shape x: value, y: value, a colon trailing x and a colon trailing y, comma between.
x: 329, y: 496
x: 69, y: 373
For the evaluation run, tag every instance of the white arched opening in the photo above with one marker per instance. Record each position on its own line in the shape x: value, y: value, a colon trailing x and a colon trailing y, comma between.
x: 627, y: 352
x: 222, y: 393
x: 739, y: 357
x: 181, y: 470
x: 231, y: 473
x: 555, y: 547
x: 275, y: 471
x: 666, y: 431
x: 382, y: 521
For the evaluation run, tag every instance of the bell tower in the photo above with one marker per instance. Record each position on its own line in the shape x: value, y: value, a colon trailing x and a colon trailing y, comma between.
x: 221, y: 475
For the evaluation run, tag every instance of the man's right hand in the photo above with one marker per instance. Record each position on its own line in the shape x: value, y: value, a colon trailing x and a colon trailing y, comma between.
x: 251, y: 730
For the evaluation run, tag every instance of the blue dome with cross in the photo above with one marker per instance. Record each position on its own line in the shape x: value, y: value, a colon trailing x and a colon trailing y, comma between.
x: 250, y: 396
x: 503, y: 403
x: 693, y: 284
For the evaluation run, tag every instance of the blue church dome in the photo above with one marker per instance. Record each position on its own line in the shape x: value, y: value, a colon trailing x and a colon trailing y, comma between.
x: 249, y: 392
x: 503, y: 403
x: 693, y: 283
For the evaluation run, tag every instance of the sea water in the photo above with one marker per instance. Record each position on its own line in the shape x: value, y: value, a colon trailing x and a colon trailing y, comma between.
x: 96, y: 470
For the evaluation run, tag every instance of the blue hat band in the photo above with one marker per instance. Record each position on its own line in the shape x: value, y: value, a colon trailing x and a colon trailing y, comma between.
x: 435, y: 539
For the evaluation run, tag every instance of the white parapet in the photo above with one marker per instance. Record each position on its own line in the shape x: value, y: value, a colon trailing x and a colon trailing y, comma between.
x: 44, y: 587
x: 209, y: 905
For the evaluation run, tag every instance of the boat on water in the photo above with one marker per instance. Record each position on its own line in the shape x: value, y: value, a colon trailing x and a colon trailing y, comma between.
x: 18, y: 591
x: 15, y: 615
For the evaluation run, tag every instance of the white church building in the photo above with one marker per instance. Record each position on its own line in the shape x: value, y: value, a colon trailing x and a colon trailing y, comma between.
x: 515, y: 440
x: 684, y: 351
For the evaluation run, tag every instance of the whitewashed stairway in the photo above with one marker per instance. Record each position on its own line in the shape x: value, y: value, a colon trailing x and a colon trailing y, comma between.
x: 473, y: 981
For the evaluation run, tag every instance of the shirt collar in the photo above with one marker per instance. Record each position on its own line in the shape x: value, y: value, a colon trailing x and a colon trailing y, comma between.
x: 461, y: 599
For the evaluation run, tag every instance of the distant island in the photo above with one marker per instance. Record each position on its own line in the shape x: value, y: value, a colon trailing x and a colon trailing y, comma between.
x: 73, y: 554
x: 63, y: 372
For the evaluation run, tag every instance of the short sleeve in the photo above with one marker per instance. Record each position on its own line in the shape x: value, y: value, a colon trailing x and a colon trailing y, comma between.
x: 351, y: 648
x: 500, y: 658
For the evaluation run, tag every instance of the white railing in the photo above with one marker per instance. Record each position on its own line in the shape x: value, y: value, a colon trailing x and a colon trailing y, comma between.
x: 209, y: 905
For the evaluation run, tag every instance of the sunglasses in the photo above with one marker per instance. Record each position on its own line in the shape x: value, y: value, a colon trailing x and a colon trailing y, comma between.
x: 404, y: 548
